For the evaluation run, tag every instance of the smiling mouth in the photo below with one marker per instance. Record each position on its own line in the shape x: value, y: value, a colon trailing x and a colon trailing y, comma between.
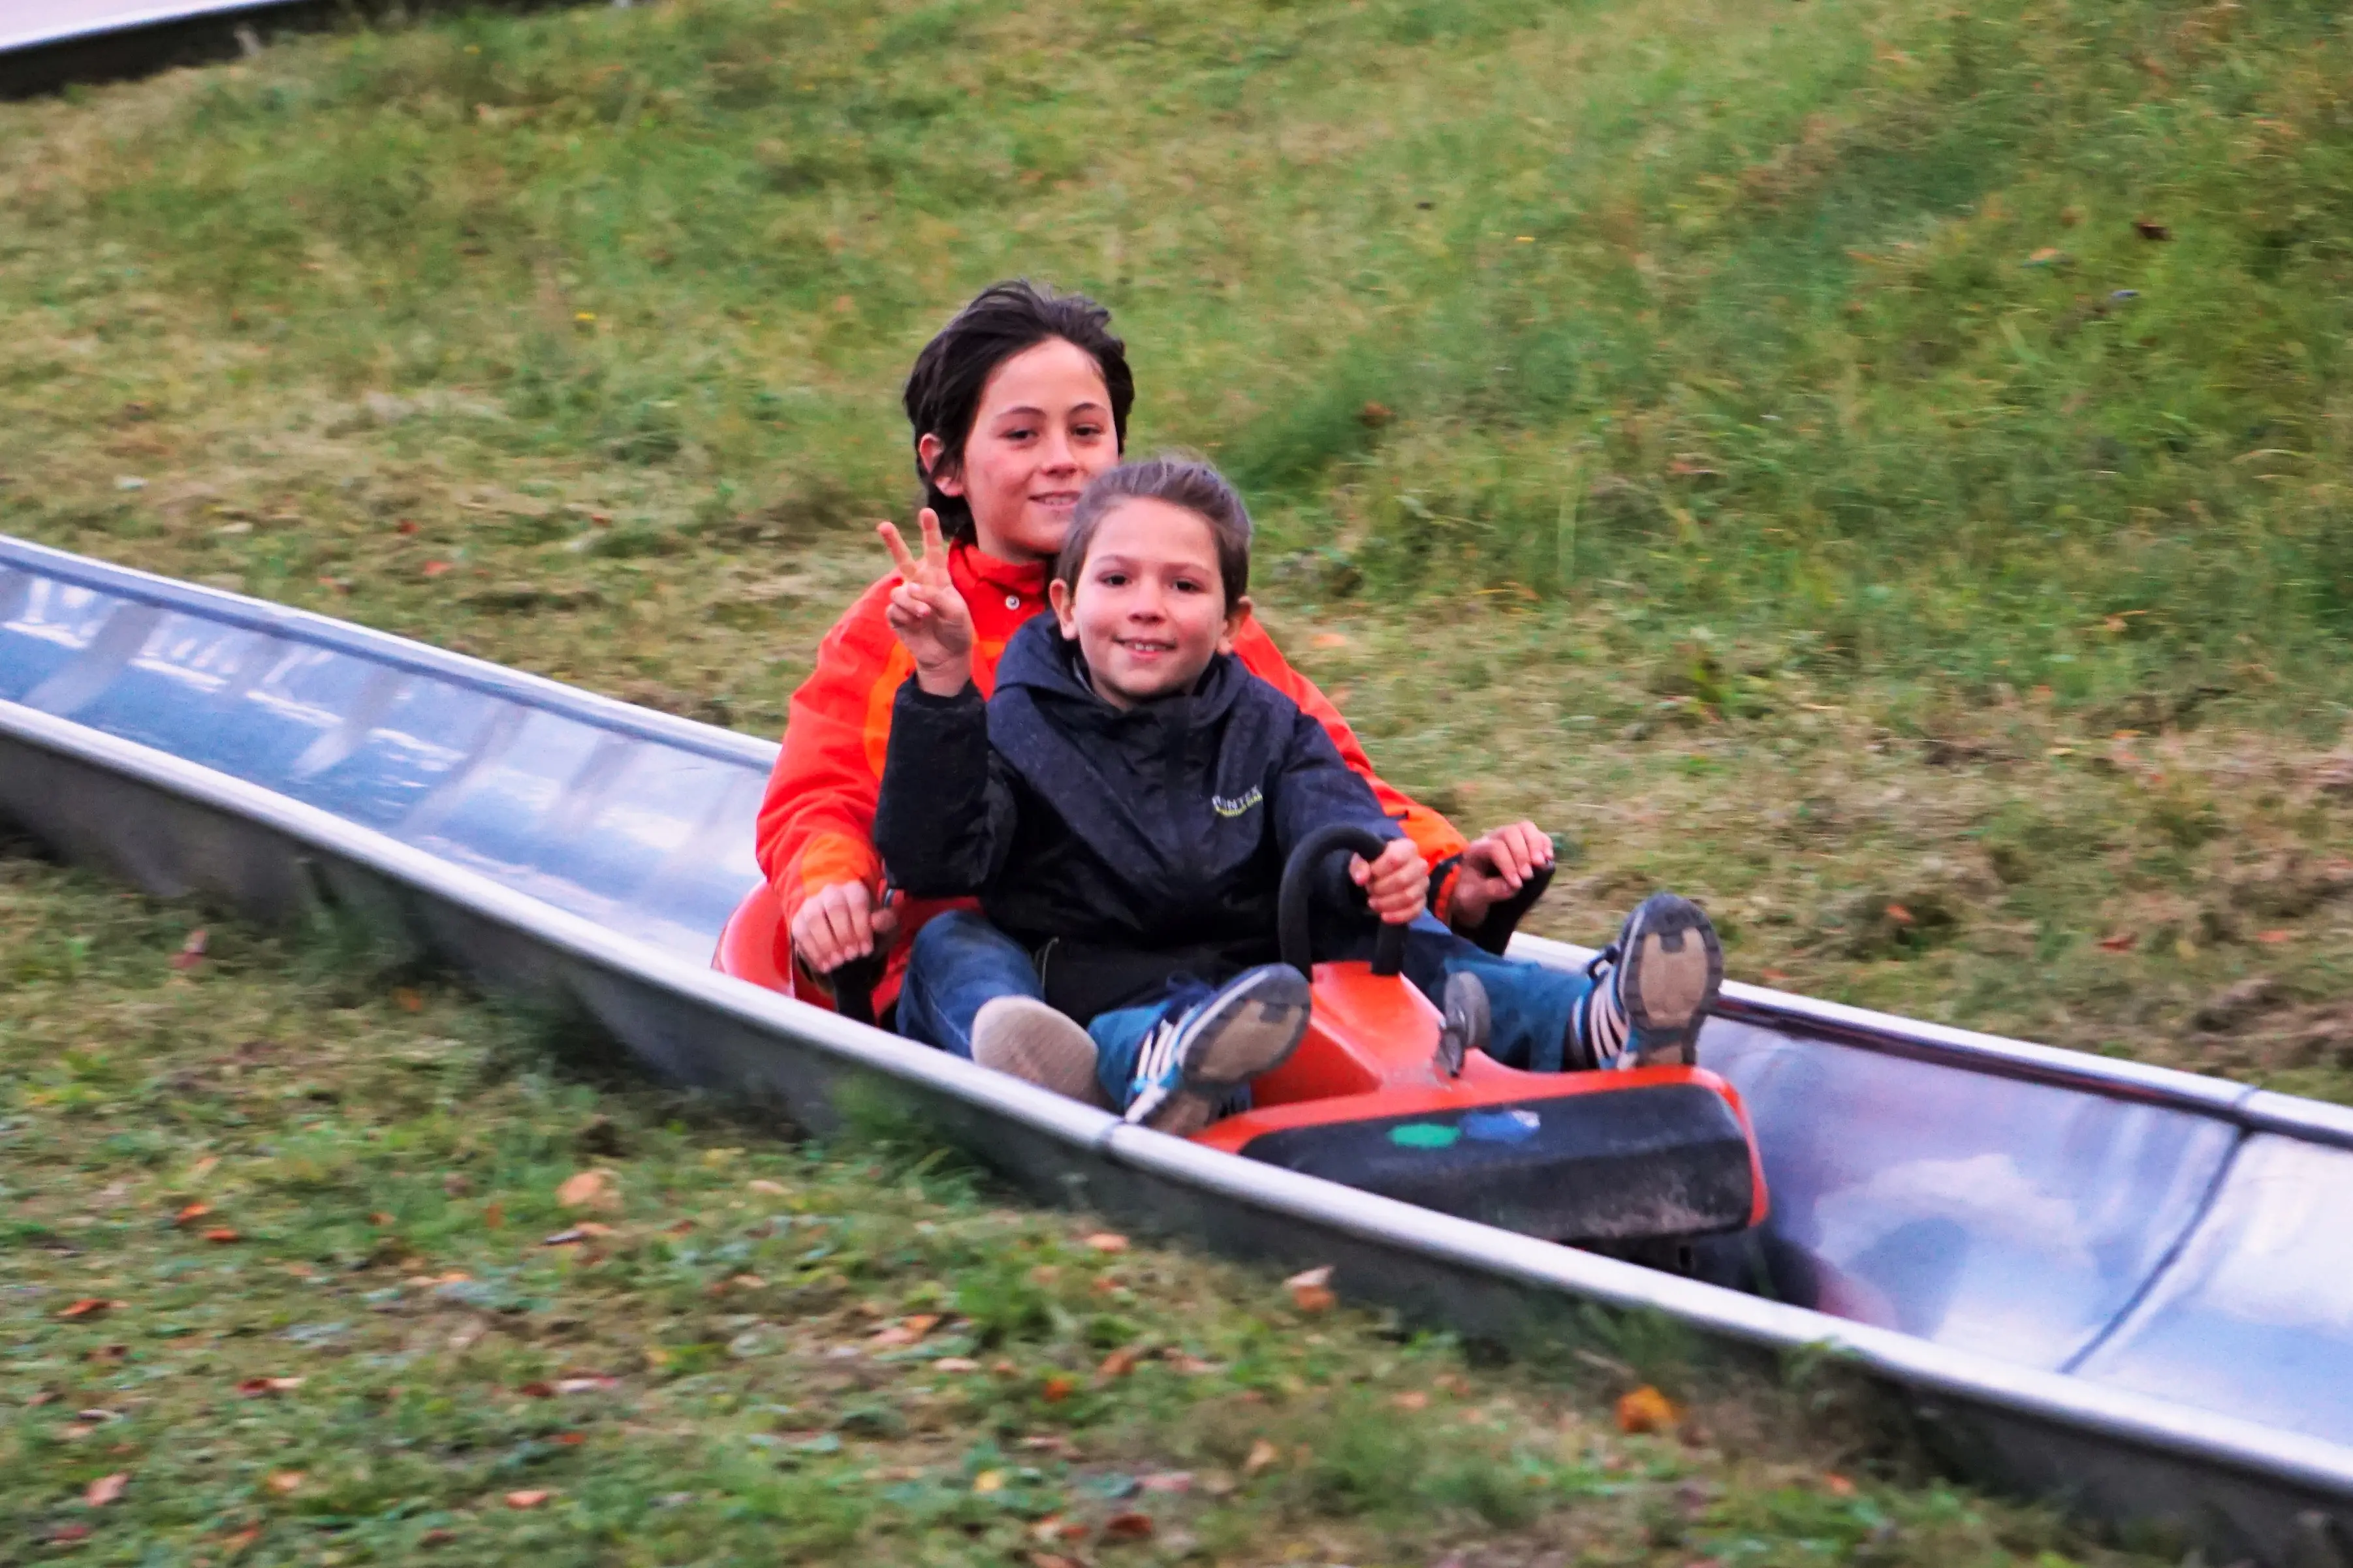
x: 1061, y: 500
x: 1145, y: 649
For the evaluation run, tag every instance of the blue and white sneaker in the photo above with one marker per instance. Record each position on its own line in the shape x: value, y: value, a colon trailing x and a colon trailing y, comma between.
x: 1190, y: 1063
x: 1653, y: 988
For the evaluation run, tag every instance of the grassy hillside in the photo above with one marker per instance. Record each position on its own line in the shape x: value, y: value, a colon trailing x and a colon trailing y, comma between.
x: 1932, y: 341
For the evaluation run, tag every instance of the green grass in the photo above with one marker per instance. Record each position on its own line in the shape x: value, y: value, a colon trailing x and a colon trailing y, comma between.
x: 1714, y: 431
x: 726, y: 1367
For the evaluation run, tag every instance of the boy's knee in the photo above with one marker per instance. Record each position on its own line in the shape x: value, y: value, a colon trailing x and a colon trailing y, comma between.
x: 945, y: 933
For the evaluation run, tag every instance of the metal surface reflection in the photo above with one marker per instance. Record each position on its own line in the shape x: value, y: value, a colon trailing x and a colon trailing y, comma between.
x: 599, y: 809
x: 2256, y: 1313
x: 1988, y: 1213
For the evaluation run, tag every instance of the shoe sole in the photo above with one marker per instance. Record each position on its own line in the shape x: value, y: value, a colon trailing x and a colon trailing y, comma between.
x: 1467, y: 1022
x: 1675, y: 967
x: 1026, y: 1038
x: 1243, y: 1032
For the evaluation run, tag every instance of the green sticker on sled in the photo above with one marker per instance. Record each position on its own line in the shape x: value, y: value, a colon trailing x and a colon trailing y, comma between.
x: 1424, y: 1135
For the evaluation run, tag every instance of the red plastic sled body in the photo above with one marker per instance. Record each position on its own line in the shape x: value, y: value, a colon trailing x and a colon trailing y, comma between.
x: 1595, y: 1156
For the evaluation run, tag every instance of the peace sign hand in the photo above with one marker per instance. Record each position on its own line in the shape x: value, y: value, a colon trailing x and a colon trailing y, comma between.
x: 926, y: 613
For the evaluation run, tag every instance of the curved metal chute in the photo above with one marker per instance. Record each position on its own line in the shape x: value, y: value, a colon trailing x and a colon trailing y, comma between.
x: 2125, y: 1284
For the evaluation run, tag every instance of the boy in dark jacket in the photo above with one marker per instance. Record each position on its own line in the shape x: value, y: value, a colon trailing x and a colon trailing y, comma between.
x: 1123, y: 805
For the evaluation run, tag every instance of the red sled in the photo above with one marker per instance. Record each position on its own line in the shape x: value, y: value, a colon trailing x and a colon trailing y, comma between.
x: 1370, y: 1100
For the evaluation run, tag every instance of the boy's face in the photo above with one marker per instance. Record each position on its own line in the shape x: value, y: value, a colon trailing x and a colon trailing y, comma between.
x: 1042, y: 430
x: 1149, y: 606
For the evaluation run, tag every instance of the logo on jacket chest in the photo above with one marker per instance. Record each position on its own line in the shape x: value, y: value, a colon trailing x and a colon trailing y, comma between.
x: 1235, y: 805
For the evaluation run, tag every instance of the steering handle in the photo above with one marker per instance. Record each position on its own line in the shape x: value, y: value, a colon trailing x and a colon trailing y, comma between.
x: 1292, y: 928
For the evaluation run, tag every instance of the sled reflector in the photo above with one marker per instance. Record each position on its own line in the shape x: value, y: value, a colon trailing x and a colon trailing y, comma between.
x: 1644, y: 1161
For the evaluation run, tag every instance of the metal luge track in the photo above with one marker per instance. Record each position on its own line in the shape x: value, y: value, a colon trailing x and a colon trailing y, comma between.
x: 2128, y: 1287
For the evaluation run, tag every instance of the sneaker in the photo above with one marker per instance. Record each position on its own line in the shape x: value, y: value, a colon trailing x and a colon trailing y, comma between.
x: 1653, y: 988
x: 1190, y: 1063
x: 1023, y: 1036
x: 1463, y: 1023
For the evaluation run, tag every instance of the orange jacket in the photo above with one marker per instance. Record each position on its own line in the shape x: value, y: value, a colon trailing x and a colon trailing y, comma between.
x: 816, y: 822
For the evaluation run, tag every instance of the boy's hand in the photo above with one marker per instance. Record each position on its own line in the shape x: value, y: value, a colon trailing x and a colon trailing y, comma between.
x: 1493, y: 867
x: 1395, y: 883
x: 838, y: 923
x: 926, y: 613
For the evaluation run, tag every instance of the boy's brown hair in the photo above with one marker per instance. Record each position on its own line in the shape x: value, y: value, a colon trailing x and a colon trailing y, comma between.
x: 1179, y: 481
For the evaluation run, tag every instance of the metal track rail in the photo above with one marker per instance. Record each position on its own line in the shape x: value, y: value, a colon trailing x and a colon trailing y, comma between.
x: 551, y: 842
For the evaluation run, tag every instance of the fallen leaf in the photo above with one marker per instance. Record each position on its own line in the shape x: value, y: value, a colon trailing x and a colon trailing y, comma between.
x: 1052, y: 1560
x: 192, y: 952
x: 2275, y: 936
x: 1411, y: 1399
x: 2120, y: 942
x: 1129, y: 1526
x: 1057, y: 1388
x: 1190, y: 1364
x: 1107, y: 1241
x: 285, y: 1483
x: 193, y: 1211
x: 66, y: 1533
x: 1328, y: 639
x: 988, y: 1482
x: 1373, y: 415
x: 221, y: 1235
x: 1901, y: 915
x: 435, y: 568
x: 762, y: 1184
x: 955, y: 1363
x: 111, y: 1353
x: 106, y: 1489
x: 406, y: 999
x: 261, y: 1387
x: 1168, y: 1481
x: 1645, y: 1409
x: 1837, y: 1485
x: 233, y: 1544
x: 906, y: 1332
x: 569, y: 1439
x: 2149, y: 228
x: 588, y: 1190
x: 537, y: 1391
x: 46, y: 1397
x: 1310, y: 1291
x: 527, y: 1500
x: 1119, y: 1364
x: 1264, y: 1455
x: 589, y: 1385
x: 89, y: 1307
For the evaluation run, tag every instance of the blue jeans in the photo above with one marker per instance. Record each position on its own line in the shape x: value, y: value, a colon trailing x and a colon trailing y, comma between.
x: 1534, y: 1008
x: 959, y: 961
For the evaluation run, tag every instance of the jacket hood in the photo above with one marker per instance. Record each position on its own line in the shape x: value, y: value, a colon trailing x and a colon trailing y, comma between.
x: 1050, y: 667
